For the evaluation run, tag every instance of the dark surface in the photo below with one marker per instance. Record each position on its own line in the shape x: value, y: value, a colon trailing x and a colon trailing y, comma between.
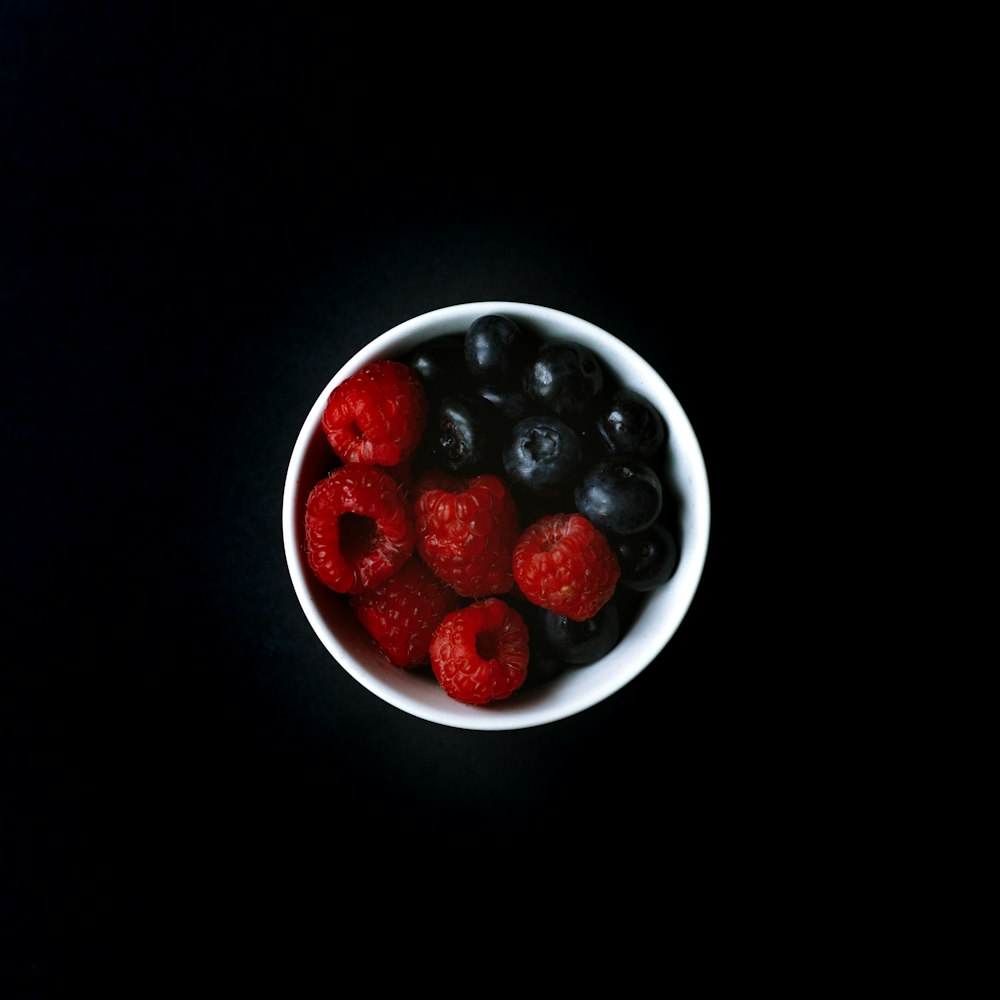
x: 201, y: 224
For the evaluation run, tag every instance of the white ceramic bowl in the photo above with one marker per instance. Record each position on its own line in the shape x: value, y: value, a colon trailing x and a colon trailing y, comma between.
x: 577, y: 689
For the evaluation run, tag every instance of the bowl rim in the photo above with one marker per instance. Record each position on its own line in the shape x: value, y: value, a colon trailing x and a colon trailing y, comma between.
x: 506, y: 715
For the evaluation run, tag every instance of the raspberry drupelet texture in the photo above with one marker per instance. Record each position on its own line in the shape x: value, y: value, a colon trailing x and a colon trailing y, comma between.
x: 377, y: 415
x: 564, y: 564
x: 359, y: 528
x: 479, y: 653
x: 466, y: 531
x: 402, y: 612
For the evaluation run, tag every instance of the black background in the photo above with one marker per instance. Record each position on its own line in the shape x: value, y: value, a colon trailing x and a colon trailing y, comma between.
x: 206, y: 212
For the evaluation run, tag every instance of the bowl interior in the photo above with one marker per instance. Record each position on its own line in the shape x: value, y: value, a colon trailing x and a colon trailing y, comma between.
x: 575, y: 690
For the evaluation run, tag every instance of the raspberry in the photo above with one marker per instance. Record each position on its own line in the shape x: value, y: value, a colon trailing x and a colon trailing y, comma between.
x: 403, y: 474
x: 466, y: 531
x: 377, y: 415
x: 563, y: 563
x: 359, y: 529
x: 480, y: 653
x: 402, y: 612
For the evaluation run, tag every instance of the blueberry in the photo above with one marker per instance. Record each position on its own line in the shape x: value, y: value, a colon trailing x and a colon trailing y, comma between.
x: 647, y: 559
x: 544, y: 663
x: 620, y: 496
x: 631, y: 425
x: 440, y: 364
x: 564, y: 378
x: 543, y: 455
x: 509, y: 400
x: 459, y: 434
x: 495, y: 348
x: 579, y: 643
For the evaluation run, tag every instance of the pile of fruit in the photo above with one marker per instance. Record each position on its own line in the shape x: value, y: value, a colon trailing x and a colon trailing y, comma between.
x: 493, y: 508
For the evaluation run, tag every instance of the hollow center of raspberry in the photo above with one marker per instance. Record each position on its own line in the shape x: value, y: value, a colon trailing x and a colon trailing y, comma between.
x: 488, y: 645
x: 357, y: 536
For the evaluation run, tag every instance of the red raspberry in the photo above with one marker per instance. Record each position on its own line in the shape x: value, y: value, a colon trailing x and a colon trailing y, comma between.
x: 401, y: 613
x: 377, y: 415
x: 466, y: 531
x: 563, y: 563
x: 359, y: 529
x: 480, y: 653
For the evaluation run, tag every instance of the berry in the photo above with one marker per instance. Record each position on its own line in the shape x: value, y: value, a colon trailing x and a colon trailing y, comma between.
x: 545, y: 664
x: 564, y: 378
x: 508, y: 400
x: 402, y: 612
x: 631, y: 425
x: 466, y: 531
x: 563, y: 563
x: 439, y: 363
x: 377, y: 415
x: 543, y: 455
x: 359, y: 529
x: 403, y: 475
x: 494, y: 346
x: 648, y: 558
x: 621, y: 496
x: 579, y: 643
x: 479, y: 653
x: 459, y: 437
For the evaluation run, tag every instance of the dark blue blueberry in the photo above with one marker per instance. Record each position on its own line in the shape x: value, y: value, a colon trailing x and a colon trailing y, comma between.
x: 495, y: 349
x: 543, y: 455
x: 509, y: 400
x: 631, y: 425
x: 459, y: 435
x: 579, y: 643
x: 564, y: 378
x: 647, y: 559
x: 544, y: 664
x: 440, y: 364
x: 620, y: 496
